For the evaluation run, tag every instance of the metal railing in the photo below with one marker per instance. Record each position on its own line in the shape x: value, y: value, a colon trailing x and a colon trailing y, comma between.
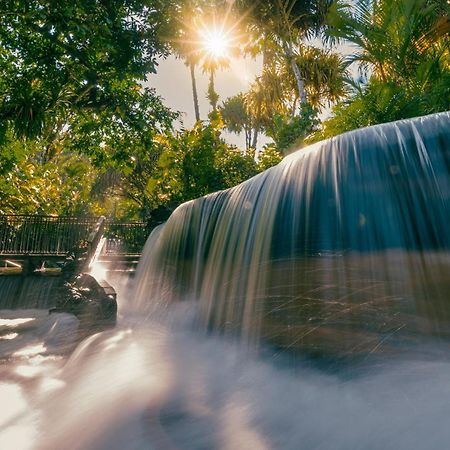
x: 44, y: 235
x: 51, y: 235
x: 125, y: 238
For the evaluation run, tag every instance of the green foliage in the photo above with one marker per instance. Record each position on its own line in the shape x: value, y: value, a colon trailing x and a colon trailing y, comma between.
x: 273, y: 100
x: 238, y: 118
x: 32, y: 185
x: 396, y: 40
x: 382, y: 102
x: 10, y: 156
x: 281, y: 18
x: 280, y: 29
x: 403, y: 45
x: 198, y: 150
x: 324, y: 73
x: 235, y: 115
x: 212, y: 95
x: 70, y: 84
x: 269, y: 156
x: 113, y: 136
x: 234, y: 166
x: 290, y: 132
x: 63, y: 60
x: 191, y: 163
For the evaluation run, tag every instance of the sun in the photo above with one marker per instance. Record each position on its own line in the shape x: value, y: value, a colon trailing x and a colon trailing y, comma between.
x: 216, y: 42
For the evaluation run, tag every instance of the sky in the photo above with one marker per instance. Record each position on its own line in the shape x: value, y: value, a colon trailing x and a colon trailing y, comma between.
x: 173, y: 83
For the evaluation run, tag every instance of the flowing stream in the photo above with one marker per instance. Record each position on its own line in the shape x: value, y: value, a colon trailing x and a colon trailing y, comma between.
x: 307, y: 308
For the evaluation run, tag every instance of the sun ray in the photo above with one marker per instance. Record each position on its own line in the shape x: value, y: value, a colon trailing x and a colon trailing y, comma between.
x: 211, y: 38
x: 215, y: 42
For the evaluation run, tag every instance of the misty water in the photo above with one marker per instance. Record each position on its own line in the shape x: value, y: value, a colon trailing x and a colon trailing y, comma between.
x: 305, y: 308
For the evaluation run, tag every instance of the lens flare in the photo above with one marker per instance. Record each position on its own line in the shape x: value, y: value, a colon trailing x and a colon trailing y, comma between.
x: 216, y: 43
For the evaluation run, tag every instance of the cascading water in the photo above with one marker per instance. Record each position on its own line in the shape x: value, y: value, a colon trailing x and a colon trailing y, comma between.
x: 342, y: 251
x: 341, y: 247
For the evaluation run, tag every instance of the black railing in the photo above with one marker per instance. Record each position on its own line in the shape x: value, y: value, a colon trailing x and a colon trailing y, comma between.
x: 44, y: 235
x: 125, y: 238
x: 50, y: 235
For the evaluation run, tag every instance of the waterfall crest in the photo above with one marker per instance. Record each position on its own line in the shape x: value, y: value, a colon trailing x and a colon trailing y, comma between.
x: 343, y: 244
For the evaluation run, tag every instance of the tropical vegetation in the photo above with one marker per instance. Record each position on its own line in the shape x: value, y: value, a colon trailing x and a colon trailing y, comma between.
x: 82, y: 133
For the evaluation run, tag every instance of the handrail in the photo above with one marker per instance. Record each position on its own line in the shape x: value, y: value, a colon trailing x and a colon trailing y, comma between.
x: 54, y: 235
x: 64, y: 235
x: 125, y: 237
x: 50, y: 216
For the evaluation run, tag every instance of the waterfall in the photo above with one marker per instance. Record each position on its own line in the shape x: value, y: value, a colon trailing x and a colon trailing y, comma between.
x: 343, y: 245
x: 341, y: 251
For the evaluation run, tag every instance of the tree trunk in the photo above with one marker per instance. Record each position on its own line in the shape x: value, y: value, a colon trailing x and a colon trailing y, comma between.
x: 248, y: 138
x: 299, y: 79
x: 256, y: 127
x: 213, y: 97
x: 255, y: 138
x: 194, y: 92
x: 294, y: 107
x: 295, y: 69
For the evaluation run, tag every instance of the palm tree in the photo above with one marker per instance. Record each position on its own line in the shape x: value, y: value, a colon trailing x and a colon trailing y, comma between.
x: 402, y: 48
x: 220, y: 39
x: 396, y: 40
x: 210, y: 64
x: 184, y: 42
x: 285, y: 24
x: 324, y: 75
x: 197, y: 29
x: 275, y: 92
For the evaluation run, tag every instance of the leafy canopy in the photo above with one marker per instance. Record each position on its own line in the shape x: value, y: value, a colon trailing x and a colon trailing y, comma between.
x: 59, y: 60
